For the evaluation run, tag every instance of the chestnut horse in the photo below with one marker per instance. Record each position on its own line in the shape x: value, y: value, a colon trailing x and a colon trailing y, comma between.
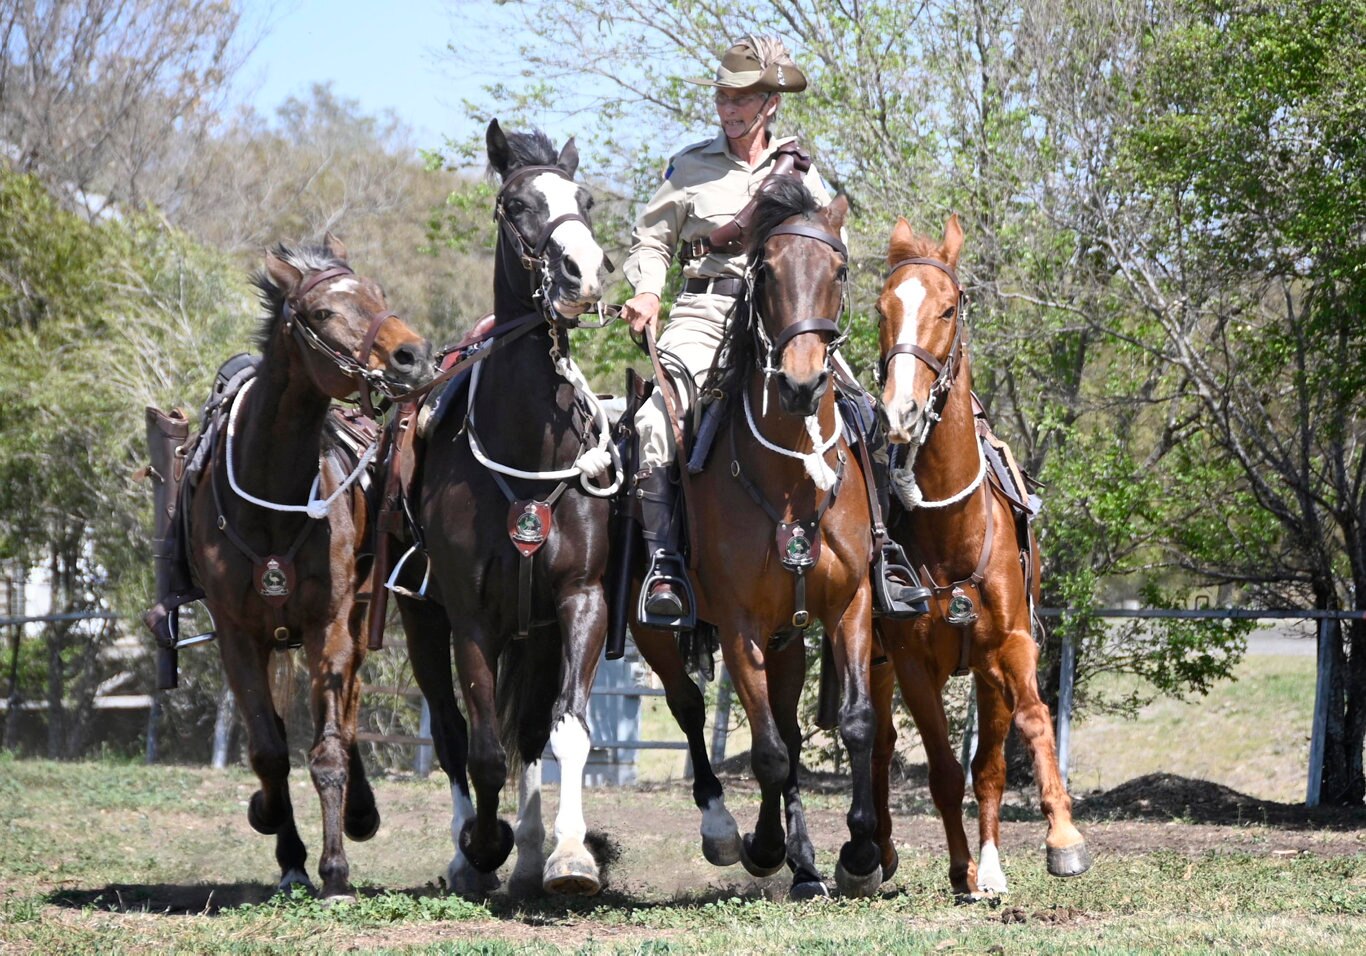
x: 784, y: 488
x: 981, y: 564
x: 515, y: 522
x: 277, y: 524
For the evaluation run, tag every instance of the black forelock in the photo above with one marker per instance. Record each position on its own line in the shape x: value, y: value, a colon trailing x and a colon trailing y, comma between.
x: 306, y: 258
x: 780, y: 200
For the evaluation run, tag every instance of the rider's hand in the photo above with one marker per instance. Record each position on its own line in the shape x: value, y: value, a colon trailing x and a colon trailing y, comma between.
x: 642, y: 310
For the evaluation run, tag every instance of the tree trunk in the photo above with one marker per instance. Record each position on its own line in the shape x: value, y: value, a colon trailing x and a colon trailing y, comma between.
x: 15, y: 584
x: 56, y: 640
x: 1344, y: 783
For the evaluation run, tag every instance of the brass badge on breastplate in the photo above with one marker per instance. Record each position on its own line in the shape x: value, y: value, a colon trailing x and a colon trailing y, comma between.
x: 798, y: 544
x: 961, y: 610
x: 275, y: 579
x: 528, y: 525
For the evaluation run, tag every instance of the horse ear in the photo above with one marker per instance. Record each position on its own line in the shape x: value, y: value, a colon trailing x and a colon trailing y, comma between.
x: 497, y: 143
x: 282, y: 275
x: 334, y: 246
x: 953, y: 241
x: 837, y: 212
x: 569, y: 157
x: 902, y: 235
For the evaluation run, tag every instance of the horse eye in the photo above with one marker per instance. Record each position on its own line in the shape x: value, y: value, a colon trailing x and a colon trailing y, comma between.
x: 322, y: 315
x: 514, y: 207
x: 948, y: 313
x: 587, y: 203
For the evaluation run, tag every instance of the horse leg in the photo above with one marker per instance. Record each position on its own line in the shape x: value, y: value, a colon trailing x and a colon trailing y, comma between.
x: 269, y: 810
x: 529, y: 835
x: 720, y: 835
x: 884, y: 747
x: 486, y: 840
x: 924, y: 698
x: 859, y: 872
x: 762, y: 852
x: 333, y: 663
x: 362, y: 815
x: 428, y: 633
x: 988, y: 782
x: 786, y: 673
x: 1066, y: 849
x: 582, y: 615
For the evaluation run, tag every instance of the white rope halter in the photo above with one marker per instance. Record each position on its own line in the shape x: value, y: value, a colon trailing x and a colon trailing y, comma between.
x: 315, y: 508
x: 591, y: 463
x: 908, y: 491
x: 816, y: 466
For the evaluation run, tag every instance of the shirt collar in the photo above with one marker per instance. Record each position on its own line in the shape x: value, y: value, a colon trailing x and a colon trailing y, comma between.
x: 721, y: 146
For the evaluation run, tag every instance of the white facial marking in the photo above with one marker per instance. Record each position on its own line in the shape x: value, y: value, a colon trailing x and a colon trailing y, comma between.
x: 569, y: 741
x: 912, y: 294
x: 347, y: 284
x: 574, y: 238
x: 990, y: 877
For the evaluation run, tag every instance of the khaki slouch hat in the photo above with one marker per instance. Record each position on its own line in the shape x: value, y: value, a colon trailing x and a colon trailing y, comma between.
x: 758, y: 63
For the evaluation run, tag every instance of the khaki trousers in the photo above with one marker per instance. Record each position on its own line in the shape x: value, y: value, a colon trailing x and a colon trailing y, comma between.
x: 693, y: 335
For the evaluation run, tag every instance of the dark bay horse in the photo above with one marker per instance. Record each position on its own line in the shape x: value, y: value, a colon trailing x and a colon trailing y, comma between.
x: 516, y: 529
x: 784, y: 491
x: 277, y: 524
x: 980, y: 561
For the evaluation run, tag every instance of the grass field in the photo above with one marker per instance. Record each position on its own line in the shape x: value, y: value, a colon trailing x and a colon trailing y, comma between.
x: 113, y: 857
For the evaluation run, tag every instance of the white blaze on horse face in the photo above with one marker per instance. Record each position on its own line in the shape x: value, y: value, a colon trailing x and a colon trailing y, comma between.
x: 569, y: 741
x: 902, y: 401
x: 345, y: 284
x: 575, y: 240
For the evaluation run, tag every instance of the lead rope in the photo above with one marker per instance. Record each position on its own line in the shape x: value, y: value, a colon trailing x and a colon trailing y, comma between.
x: 816, y: 466
x: 315, y: 508
x: 908, y: 491
x: 592, y: 463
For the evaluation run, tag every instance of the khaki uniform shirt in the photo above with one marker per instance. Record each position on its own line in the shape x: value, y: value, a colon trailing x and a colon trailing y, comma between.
x: 704, y: 187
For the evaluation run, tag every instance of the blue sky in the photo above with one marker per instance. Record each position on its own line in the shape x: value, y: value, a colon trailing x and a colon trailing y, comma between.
x: 384, y: 55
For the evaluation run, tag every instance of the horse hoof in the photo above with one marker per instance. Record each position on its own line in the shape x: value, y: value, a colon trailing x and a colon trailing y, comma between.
x: 363, y: 827
x: 808, y: 890
x: 889, y: 868
x: 465, y: 881
x: 256, y: 816
x: 486, y: 862
x: 295, y: 878
x: 724, y: 851
x: 853, y: 885
x: 754, y: 867
x: 1069, y: 860
x: 571, y: 877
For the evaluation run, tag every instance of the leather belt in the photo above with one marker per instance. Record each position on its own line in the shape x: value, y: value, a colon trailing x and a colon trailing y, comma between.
x: 726, y: 285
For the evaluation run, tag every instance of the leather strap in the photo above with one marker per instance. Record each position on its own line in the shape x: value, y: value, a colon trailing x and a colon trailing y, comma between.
x: 943, y: 267
x: 903, y: 348
x: 811, y: 232
x: 823, y: 326
x: 664, y: 382
x: 721, y: 285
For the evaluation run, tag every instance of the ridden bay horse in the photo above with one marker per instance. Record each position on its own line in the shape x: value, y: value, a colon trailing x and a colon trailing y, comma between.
x: 784, y: 490
x: 958, y: 526
x: 516, y: 529
x: 277, y: 525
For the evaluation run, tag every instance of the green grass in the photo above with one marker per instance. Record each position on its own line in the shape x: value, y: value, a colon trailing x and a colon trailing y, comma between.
x: 90, y: 853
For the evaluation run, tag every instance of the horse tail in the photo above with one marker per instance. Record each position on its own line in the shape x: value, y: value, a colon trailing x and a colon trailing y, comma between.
x: 528, y: 685
x: 282, y: 670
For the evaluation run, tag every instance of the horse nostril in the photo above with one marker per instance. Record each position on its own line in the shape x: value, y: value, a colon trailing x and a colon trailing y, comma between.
x: 404, y: 357
x: 571, y: 268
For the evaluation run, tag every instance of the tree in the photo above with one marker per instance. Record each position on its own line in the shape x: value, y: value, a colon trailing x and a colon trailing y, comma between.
x: 95, y: 93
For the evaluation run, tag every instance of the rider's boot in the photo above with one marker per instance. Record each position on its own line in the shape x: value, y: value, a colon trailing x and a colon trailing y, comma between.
x: 166, y: 435
x: 897, y: 591
x: 666, y: 599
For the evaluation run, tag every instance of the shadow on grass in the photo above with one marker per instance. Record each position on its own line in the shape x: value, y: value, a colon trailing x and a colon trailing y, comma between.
x: 1165, y: 796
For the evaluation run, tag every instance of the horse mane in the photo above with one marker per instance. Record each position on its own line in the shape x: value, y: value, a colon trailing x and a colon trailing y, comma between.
x: 529, y: 149
x: 306, y: 258
x: 779, y: 201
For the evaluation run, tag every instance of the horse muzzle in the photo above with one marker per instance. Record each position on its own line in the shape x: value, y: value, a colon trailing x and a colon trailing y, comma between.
x: 410, y: 366
x: 804, y: 397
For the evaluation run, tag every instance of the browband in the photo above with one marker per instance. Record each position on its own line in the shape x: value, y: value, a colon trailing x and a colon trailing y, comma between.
x: 933, y: 263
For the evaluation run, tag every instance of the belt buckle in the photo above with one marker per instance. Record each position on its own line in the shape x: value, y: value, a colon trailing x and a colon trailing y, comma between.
x: 696, y: 249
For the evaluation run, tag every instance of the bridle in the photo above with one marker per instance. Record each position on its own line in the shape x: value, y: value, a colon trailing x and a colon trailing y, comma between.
x: 946, y: 369
x: 771, y: 348
x: 368, y: 381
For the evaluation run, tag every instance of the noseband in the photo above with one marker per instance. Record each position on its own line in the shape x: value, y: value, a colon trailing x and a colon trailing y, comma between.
x: 946, y: 371
x: 356, y: 366
x: 773, y: 348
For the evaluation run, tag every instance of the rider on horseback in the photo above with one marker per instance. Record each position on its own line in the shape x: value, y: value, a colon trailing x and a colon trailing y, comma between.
x: 698, y: 213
